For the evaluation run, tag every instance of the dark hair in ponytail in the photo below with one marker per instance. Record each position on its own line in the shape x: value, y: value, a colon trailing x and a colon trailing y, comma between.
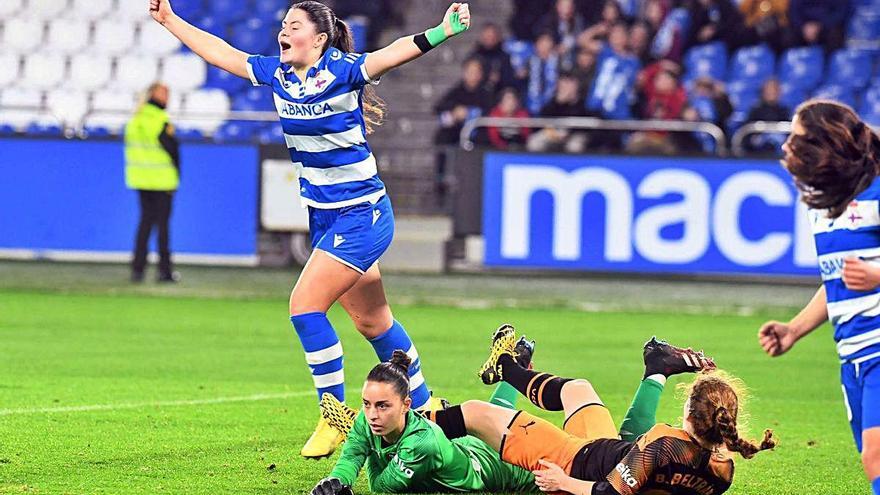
x: 339, y: 36
x: 395, y: 372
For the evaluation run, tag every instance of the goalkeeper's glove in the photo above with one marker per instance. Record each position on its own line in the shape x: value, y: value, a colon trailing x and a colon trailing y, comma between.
x: 331, y: 486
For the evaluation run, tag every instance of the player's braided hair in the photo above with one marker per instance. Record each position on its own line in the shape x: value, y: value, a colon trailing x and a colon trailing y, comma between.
x: 395, y: 372
x: 837, y: 158
x: 713, y: 410
x: 339, y: 36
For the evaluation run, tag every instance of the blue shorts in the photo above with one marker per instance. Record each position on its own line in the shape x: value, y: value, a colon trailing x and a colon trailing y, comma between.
x: 354, y: 235
x: 861, y: 392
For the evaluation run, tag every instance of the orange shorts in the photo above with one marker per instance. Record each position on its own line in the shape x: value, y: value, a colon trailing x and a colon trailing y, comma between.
x: 530, y: 439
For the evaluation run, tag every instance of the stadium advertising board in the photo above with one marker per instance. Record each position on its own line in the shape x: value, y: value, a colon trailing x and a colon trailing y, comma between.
x: 66, y: 199
x: 646, y: 214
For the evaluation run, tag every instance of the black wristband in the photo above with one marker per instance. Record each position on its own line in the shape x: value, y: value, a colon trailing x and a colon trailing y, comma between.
x: 422, y: 42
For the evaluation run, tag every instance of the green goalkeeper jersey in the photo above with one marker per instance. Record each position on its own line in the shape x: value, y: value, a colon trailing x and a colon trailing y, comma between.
x: 424, y: 460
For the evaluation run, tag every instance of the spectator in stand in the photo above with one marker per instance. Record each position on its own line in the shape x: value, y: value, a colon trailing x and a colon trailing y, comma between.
x: 543, y: 72
x: 584, y: 71
x: 469, y: 99
x: 594, y: 37
x: 689, y: 143
x: 640, y: 37
x: 496, y: 62
x: 565, y: 23
x: 716, y: 20
x: 766, y: 21
x: 818, y: 22
x: 508, y: 106
x: 609, y: 14
x: 567, y: 102
x: 663, y: 98
x: 769, y: 109
x: 653, y: 12
x: 711, y: 101
x: 528, y: 14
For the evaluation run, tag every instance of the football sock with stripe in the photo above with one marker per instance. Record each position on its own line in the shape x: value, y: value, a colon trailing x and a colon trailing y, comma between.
x: 396, y: 338
x: 543, y: 389
x: 323, y: 353
x: 642, y: 413
x: 450, y: 420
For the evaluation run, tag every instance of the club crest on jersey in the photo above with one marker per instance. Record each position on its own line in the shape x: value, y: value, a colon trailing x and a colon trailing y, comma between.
x: 314, y: 85
x: 852, y: 215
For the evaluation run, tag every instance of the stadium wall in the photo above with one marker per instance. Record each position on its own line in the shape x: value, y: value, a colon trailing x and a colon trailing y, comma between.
x: 66, y: 200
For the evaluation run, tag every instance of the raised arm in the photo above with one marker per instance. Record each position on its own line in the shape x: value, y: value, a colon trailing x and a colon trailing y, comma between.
x: 214, y: 50
x: 403, y: 50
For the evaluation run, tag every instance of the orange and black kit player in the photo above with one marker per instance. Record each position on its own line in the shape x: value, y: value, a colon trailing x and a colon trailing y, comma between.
x: 587, y: 455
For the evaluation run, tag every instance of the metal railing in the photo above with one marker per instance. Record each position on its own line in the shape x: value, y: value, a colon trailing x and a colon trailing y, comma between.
x: 737, y: 142
x: 593, y: 123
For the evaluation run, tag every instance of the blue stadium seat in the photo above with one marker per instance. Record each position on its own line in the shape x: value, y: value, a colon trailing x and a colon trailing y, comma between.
x: 870, y: 108
x: 6, y: 130
x: 220, y: 79
x: 792, y: 95
x: 272, y: 134
x: 229, y: 11
x: 212, y: 25
x: 237, y: 132
x: 271, y: 10
x: 837, y: 93
x: 260, y: 97
x: 189, y: 9
x: 40, y: 129
x: 752, y: 65
x: 864, y: 26
x: 253, y: 36
x: 802, y: 67
x: 359, y: 30
x: 519, y: 51
x: 706, y: 60
x: 848, y: 68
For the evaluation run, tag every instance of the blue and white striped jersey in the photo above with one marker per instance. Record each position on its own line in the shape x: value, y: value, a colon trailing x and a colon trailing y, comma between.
x: 323, y: 122
x: 856, y: 233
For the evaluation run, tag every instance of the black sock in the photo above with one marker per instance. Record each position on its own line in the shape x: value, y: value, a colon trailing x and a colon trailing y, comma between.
x: 543, y: 389
x: 450, y: 420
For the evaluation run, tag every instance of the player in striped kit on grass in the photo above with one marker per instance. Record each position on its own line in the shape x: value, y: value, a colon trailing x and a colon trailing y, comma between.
x: 326, y: 108
x: 834, y: 158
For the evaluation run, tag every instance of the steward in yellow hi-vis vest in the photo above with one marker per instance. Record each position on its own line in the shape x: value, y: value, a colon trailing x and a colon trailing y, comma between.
x: 152, y: 168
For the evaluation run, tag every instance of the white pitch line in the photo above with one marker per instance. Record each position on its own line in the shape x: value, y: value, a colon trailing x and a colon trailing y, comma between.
x: 138, y: 405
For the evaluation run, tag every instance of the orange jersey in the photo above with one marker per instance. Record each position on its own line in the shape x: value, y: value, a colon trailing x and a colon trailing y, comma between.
x: 664, y: 461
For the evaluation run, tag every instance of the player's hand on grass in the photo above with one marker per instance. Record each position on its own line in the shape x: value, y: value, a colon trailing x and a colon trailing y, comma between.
x: 457, y: 19
x: 550, y: 479
x: 331, y: 486
x: 860, y: 275
x: 776, y: 338
x: 161, y: 10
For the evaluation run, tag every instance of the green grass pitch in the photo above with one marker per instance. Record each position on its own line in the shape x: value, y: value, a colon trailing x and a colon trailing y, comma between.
x: 118, y: 392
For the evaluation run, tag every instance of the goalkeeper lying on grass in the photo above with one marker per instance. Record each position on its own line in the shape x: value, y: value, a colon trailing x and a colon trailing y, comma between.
x: 406, y: 452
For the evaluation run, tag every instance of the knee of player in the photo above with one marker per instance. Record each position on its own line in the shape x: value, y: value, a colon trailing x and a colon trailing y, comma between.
x: 370, y: 327
x: 579, y: 390
x: 871, y: 459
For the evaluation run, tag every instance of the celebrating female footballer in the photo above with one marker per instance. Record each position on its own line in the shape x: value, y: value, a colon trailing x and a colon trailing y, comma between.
x: 326, y: 109
x: 834, y: 158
